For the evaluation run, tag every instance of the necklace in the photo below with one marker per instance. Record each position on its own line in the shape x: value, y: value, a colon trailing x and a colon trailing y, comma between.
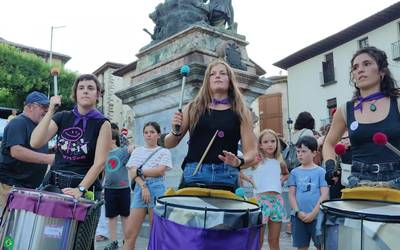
x: 372, y: 106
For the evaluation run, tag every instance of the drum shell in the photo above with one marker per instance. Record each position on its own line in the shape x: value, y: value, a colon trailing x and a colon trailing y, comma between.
x: 31, y: 230
x: 208, y: 212
x: 351, y: 224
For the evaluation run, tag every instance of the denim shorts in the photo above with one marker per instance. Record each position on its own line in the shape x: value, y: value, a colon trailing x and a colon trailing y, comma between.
x: 156, y: 187
x: 211, y: 175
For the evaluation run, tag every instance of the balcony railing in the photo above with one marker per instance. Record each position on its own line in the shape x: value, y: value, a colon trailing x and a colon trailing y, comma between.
x: 396, y: 51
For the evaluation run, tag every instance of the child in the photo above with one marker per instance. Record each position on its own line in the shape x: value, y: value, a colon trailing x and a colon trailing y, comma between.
x: 268, y: 176
x: 117, y: 192
x: 307, y: 189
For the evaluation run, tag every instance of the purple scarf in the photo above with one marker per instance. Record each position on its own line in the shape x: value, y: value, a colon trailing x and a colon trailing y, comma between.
x: 375, y: 96
x: 223, y: 101
x: 92, y: 114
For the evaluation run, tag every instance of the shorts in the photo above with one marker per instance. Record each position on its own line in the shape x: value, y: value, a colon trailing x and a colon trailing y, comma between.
x: 302, y: 233
x: 4, y: 190
x: 117, y: 202
x: 272, y: 207
x: 156, y: 187
x: 210, y: 175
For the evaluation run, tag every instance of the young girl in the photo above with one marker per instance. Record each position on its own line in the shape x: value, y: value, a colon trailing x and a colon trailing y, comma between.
x: 155, y: 161
x: 268, y: 176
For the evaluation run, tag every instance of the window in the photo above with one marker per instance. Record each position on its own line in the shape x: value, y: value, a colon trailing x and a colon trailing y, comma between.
x: 328, y: 69
x: 362, y: 43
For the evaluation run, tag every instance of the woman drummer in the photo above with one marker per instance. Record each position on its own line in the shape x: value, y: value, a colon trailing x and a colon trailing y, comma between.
x: 373, y: 108
x: 216, y: 119
x: 83, y: 139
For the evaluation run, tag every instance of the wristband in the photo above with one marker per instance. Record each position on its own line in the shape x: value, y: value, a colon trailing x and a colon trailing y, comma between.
x: 241, y: 162
x: 330, y: 165
x: 139, y: 172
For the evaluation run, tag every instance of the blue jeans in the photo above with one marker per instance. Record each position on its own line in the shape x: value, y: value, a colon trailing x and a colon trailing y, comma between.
x: 156, y: 187
x: 211, y: 175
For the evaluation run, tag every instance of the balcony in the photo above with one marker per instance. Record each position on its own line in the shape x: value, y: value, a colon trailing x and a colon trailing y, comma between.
x: 396, y: 51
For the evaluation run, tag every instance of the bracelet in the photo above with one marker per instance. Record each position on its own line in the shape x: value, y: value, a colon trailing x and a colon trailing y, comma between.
x: 175, y: 134
x: 241, y: 162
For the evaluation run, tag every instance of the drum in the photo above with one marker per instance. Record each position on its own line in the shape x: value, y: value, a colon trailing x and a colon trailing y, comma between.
x: 44, y: 220
x: 360, y: 224
x: 205, y: 223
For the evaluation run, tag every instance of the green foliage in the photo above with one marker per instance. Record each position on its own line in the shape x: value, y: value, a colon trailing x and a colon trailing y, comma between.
x: 21, y: 73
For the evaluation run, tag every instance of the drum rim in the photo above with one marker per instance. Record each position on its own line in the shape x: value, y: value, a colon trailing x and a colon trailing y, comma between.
x: 52, y: 195
x: 361, y: 215
x: 257, y: 207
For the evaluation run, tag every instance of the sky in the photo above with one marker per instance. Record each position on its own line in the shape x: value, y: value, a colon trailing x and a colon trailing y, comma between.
x: 97, y: 31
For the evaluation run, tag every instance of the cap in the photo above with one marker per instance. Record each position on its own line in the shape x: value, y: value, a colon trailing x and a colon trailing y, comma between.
x: 37, y: 97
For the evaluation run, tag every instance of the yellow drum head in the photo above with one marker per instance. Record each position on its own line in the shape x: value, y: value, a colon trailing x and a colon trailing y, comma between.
x: 372, y: 193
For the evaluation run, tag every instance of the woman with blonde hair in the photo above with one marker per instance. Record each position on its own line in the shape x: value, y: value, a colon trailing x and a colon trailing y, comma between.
x: 217, y: 120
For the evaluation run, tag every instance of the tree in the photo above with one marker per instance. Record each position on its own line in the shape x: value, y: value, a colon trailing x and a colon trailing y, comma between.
x: 21, y: 73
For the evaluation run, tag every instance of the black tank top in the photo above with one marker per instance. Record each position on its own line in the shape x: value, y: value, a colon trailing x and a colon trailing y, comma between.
x: 362, y: 146
x: 227, y: 123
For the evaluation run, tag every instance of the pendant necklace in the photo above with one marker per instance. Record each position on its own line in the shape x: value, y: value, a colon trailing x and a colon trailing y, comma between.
x: 372, y: 106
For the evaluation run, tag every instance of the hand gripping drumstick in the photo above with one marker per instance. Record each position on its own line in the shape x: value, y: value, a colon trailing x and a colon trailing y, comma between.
x: 205, y: 153
x: 184, y: 72
x: 55, y: 72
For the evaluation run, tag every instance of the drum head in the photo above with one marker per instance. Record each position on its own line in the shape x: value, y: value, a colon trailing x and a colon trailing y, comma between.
x: 211, y: 203
x: 364, y: 209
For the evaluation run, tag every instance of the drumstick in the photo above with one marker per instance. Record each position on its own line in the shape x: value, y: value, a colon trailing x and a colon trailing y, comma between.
x: 205, y: 153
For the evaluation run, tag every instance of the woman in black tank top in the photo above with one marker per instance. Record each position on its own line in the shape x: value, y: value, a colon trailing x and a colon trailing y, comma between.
x: 374, y: 108
x: 216, y: 119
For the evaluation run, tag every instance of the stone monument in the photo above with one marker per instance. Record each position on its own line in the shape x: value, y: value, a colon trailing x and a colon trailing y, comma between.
x: 184, y: 36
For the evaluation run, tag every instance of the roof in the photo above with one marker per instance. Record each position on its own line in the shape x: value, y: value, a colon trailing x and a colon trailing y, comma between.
x: 107, y: 65
x: 39, y: 52
x: 368, y: 24
x: 125, y: 69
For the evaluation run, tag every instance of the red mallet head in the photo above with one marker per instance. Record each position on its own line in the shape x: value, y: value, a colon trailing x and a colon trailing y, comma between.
x: 340, y: 149
x: 380, y: 138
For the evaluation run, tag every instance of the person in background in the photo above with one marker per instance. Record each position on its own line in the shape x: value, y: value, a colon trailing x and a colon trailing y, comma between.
x: 269, y: 175
x: 13, y: 115
x: 307, y: 189
x: 117, y: 191
x: 20, y: 164
x: 147, y: 166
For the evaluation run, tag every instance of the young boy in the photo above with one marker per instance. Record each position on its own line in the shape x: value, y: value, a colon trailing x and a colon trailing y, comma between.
x: 307, y: 189
x: 117, y: 192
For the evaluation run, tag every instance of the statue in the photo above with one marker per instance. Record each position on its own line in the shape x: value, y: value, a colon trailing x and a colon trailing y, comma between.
x: 221, y: 13
x: 173, y: 16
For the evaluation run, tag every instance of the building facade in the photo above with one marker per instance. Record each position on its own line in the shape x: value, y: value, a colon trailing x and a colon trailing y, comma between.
x: 319, y: 75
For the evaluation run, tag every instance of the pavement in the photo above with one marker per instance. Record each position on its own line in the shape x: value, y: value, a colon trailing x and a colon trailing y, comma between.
x: 141, y: 243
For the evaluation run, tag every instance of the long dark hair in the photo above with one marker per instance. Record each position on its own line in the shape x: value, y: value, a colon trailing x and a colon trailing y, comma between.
x: 388, y: 83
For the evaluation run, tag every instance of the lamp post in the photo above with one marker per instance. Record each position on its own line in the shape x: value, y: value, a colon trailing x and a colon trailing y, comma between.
x: 51, y: 55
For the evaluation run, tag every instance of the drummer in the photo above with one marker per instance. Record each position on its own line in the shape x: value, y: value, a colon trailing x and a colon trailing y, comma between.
x: 218, y: 111
x: 373, y: 108
x: 83, y: 139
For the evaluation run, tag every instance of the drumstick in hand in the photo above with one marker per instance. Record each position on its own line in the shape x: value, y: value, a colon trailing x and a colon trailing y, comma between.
x: 205, y: 153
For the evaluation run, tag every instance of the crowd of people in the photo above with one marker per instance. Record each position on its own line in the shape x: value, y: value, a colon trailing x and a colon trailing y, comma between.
x: 89, y: 154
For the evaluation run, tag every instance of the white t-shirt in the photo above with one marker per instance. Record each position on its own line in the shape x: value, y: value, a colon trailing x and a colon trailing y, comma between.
x: 140, y: 154
x: 267, y: 176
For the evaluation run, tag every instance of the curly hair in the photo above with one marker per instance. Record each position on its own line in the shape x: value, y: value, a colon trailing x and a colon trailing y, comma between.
x: 388, y: 83
x: 304, y: 120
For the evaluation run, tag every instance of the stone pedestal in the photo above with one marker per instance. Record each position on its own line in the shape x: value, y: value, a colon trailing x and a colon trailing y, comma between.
x: 154, y: 93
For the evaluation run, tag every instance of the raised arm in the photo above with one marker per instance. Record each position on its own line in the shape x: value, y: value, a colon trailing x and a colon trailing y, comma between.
x: 181, y: 119
x: 46, y: 128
